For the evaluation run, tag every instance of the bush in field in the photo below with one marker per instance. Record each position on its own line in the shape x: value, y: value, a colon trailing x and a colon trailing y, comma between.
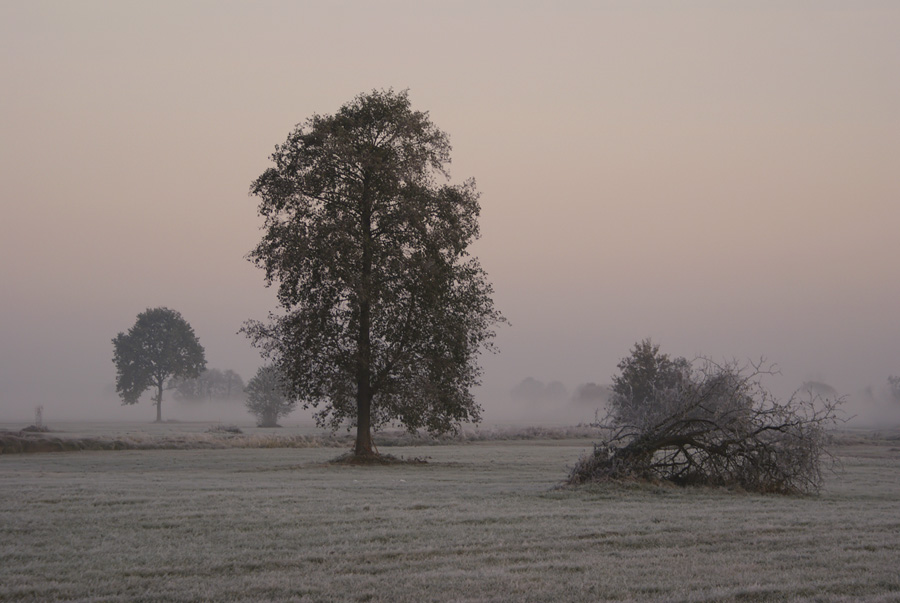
x: 711, y: 425
x: 266, y: 397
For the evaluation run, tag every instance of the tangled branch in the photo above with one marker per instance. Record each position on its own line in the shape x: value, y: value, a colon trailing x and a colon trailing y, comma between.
x: 719, y: 426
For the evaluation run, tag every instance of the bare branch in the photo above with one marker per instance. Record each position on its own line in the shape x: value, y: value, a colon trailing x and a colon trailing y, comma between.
x: 717, y: 425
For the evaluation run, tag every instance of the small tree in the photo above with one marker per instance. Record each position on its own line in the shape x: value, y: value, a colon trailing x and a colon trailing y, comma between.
x: 645, y: 384
x: 894, y: 387
x: 717, y: 425
x: 159, y: 346
x: 267, y: 398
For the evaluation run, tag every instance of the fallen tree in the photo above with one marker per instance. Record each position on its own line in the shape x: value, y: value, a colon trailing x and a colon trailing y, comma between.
x: 716, y: 426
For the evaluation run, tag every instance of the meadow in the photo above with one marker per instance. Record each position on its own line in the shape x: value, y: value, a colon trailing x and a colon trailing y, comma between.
x: 480, y: 521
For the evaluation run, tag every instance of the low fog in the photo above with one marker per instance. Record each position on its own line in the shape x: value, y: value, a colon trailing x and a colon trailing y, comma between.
x: 720, y: 179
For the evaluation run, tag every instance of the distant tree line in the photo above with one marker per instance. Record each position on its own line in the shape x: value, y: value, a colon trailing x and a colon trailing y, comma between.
x: 211, y: 384
x: 535, y: 391
x: 161, y: 352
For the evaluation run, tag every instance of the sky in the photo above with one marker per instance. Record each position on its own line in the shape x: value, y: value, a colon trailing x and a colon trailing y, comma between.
x: 722, y: 177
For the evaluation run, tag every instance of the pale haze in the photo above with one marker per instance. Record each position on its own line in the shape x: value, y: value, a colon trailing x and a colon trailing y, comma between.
x: 722, y: 177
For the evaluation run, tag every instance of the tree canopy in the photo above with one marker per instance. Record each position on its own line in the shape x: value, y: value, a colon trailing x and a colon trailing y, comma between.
x: 159, y: 346
x: 384, y: 311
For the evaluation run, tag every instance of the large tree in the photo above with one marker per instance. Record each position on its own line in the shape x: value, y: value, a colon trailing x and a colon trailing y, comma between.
x: 384, y: 311
x: 159, y: 346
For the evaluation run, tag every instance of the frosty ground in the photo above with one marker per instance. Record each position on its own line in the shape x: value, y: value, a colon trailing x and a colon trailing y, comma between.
x: 481, y: 521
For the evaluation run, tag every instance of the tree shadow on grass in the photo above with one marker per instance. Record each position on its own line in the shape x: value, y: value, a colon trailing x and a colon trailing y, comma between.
x: 350, y: 458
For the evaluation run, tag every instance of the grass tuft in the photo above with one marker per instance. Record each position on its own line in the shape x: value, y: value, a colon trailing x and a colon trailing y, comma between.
x: 225, y: 429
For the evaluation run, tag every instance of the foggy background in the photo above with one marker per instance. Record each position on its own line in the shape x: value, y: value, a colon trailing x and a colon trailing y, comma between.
x: 722, y: 178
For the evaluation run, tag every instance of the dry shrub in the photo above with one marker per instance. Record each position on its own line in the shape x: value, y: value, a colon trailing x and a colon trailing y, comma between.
x: 719, y: 427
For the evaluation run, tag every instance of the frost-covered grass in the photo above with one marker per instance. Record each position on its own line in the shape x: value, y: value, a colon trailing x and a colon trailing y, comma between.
x: 193, y: 435
x: 479, y: 522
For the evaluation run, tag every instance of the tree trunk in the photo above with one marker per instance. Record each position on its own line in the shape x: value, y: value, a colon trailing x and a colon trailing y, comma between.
x: 159, y: 392
x: 364, y: 386
x: 364, y: 429
x: 363, y: 342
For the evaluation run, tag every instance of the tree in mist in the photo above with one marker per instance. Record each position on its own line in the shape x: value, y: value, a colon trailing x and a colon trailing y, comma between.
x: 231, y: 386
x: 159, y: 346
x: 536, y: 391
x: 818, y: 388
x: 894, y: 387
x: 385, y: 311
x: 591, y: 394
x: 211, y: 384
x: 267, y: 397
x: 715, y: 424
x: 641, y: 389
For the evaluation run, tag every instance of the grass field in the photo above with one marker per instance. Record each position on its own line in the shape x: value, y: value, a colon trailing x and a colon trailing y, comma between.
x: 480, y: 521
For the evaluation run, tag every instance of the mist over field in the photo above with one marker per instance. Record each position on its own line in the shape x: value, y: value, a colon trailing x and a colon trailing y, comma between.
x: 721, y: 178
